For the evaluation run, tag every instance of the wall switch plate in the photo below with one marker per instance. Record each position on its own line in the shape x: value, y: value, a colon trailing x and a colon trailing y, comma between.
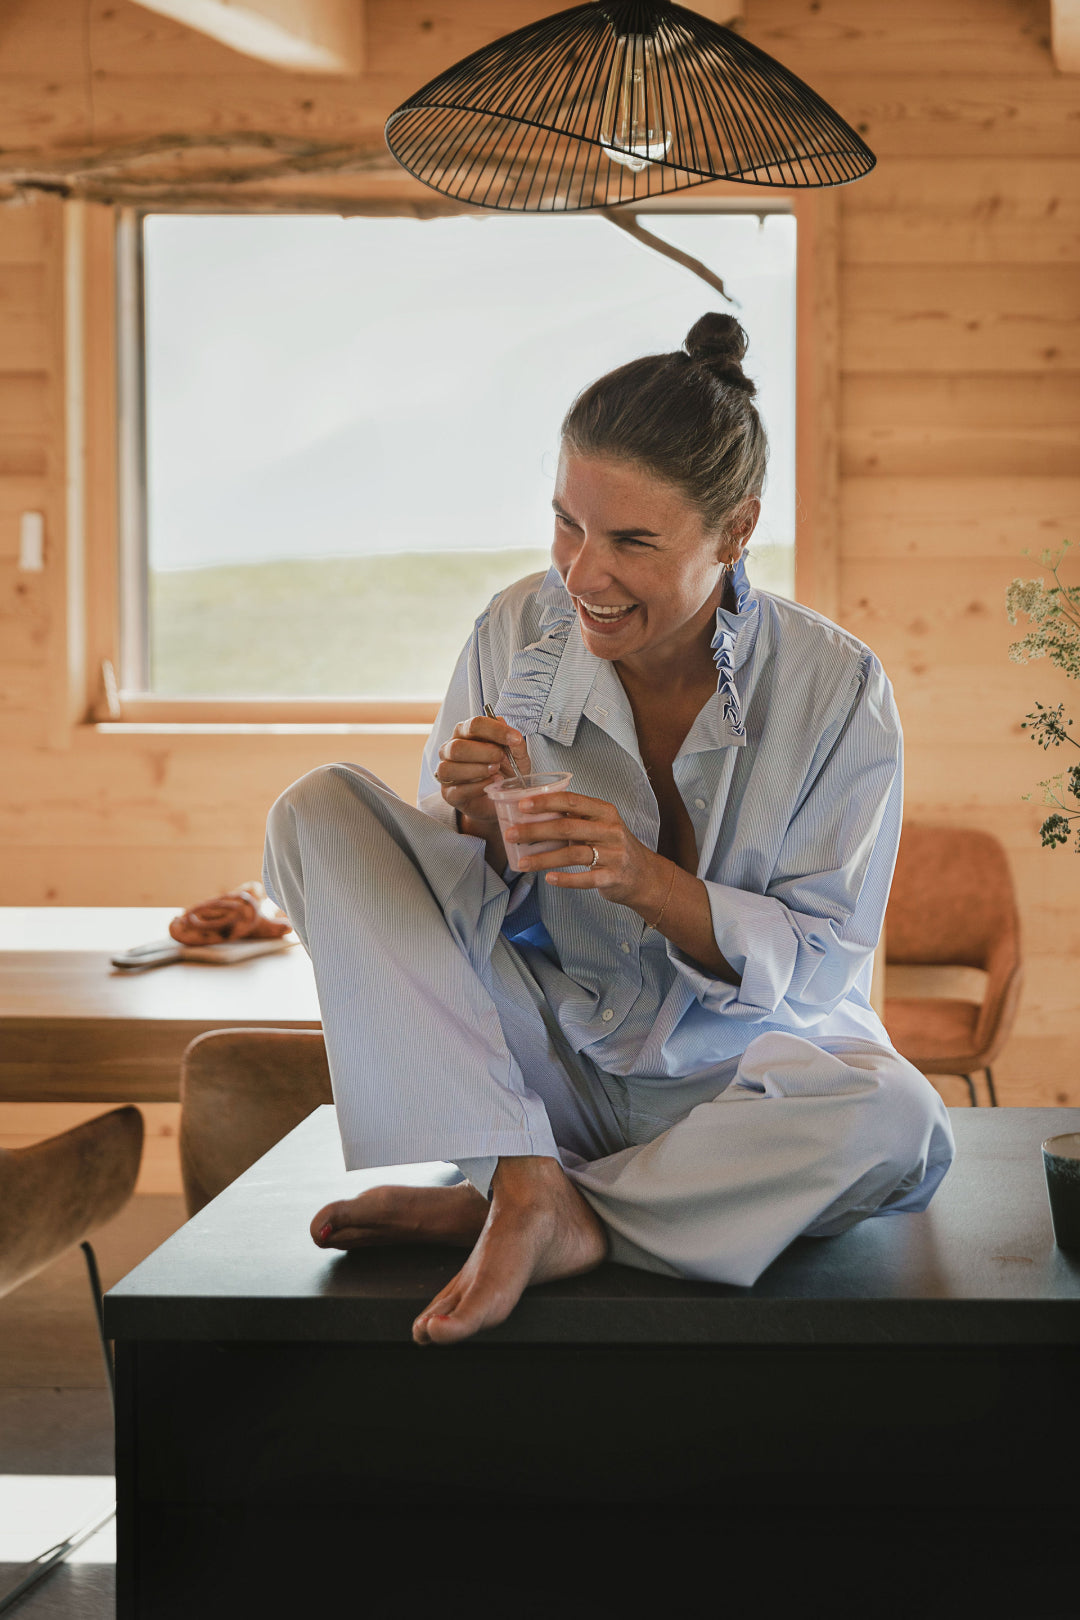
x: 32, y: 542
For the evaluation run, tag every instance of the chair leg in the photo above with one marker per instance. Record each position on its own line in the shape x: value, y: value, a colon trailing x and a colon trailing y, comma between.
x: 971, y: 1090
x: 48, y: 1561
x: 99, y: 1317
x: 990, y: 1087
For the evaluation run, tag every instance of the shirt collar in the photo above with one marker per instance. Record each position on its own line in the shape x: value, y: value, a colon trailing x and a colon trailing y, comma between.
x: 741, y: 624
x: 579, y: 683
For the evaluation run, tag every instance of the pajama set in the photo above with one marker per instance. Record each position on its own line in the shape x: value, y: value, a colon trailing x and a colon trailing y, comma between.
x: 469, y: 1015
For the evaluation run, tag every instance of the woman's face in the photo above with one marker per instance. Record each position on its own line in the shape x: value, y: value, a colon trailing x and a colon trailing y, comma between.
x: 631, y: 544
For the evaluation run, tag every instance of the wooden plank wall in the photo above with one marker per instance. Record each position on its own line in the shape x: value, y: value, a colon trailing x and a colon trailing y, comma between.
x: 960, y: 357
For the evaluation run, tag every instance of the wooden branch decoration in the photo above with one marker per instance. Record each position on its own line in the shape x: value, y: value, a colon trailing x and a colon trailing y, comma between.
x: 626, y: 220
x: 141, y: 172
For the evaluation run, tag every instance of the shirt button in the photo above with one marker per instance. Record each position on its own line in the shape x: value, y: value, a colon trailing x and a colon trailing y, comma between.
x: 625, y: 947
x: 700, y: 803
x: 607, y: 1015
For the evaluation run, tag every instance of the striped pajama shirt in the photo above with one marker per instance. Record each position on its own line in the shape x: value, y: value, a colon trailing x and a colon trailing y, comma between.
x: 469, y: 1015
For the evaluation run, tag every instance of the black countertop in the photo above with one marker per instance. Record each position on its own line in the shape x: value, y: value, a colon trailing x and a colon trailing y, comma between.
x: 978, y: 1267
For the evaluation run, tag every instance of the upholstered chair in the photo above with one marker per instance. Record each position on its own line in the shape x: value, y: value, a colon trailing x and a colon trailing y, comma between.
x: 56, y: 1192
x: 953, y: 905
x: 241, y: 1091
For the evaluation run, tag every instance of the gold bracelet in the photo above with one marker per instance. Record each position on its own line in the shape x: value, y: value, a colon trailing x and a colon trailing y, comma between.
x: 667, y: 897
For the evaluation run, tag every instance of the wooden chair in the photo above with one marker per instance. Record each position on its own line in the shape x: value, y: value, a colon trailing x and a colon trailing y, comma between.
x: 953, y: 904
x: 52, y: 1195
x: 241, y: 1091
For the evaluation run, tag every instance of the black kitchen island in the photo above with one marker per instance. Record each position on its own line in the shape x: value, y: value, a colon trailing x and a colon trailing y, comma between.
x: 276, y: 1424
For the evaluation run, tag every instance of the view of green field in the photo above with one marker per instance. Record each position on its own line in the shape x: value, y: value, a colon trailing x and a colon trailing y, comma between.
x: 380, y: 626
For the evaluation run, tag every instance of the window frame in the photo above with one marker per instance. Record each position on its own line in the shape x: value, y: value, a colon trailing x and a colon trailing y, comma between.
x: 114, y: 493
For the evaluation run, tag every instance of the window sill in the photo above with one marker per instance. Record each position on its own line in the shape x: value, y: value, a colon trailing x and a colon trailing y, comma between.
x: 261, y: 728
x: 133, y: 713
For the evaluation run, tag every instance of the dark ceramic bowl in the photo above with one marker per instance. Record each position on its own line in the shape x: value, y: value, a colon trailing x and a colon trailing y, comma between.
x: 1061, y: 1161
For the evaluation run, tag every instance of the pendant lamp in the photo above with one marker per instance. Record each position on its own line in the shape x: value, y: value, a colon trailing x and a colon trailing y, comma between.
x: 613, y: 101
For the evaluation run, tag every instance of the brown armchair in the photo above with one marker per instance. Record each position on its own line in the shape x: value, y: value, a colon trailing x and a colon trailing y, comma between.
x: 953, y: 904
x: 241, y: 1091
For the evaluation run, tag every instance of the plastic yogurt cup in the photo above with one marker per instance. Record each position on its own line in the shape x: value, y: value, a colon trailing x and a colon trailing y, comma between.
x: 505, y: 795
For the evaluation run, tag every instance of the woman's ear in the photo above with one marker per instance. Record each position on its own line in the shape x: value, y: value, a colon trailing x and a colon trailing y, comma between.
x: 740, y: 527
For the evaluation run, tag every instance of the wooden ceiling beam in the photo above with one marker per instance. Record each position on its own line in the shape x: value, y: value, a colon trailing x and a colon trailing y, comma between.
x: 1065, y: 35
x: 305, y: 36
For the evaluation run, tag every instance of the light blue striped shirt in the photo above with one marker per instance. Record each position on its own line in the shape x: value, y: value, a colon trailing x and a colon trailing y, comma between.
x: 792, y: 778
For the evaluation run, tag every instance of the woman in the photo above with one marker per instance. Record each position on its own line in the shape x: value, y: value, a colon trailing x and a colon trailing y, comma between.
x: 655, y: 1044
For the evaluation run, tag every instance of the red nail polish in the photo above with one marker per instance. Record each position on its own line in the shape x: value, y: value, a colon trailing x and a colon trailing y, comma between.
x: 325, y: 1233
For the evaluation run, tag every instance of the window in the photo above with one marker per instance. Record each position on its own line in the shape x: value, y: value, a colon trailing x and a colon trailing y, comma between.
x: 341, y: 434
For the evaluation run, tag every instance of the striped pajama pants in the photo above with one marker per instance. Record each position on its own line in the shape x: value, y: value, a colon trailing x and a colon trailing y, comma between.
x: 441, y: 1046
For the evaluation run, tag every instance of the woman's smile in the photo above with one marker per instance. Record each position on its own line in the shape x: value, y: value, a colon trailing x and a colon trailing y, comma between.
x: 604, y: 618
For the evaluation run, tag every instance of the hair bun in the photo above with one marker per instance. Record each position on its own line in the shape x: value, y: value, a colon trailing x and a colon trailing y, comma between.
x: 719, y: 342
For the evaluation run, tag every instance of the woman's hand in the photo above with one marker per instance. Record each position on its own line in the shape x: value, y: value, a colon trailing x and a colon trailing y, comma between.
x: 471, y: 759
x: 625, y: 871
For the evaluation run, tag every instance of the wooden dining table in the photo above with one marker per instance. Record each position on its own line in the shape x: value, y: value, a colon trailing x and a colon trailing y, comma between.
x: 73, y: 1028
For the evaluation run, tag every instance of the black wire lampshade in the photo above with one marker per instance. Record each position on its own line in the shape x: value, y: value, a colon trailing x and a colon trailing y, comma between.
x: 614, y: 101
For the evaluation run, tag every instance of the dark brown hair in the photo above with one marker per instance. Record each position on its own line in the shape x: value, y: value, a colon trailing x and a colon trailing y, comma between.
x: 686, y: 416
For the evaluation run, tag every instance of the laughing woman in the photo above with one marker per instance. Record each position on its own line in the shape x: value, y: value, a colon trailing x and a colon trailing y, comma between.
x: 656, y: 1044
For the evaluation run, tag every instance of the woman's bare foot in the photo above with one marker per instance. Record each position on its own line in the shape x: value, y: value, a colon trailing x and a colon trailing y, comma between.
x: 538, y: 1227
x: 453, y: 1215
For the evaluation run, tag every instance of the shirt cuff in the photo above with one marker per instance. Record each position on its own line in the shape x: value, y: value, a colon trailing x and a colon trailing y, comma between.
x: 755, y: 937
x: 435, y: 806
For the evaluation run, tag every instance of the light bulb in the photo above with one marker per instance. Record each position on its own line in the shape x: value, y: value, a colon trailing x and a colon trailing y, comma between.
x: 631, y: 125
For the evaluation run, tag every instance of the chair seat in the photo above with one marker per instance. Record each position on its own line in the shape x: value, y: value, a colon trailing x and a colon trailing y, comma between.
x: 934, y: 1033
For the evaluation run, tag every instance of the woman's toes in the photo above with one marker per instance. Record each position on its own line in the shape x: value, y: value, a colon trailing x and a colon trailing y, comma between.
x: 345, y: 1222
x: 392, y: 1214
x: 482, y: 1302
x: 444, y: 1330
x: 420, y: 1330
x: 447, y: 1326
x: 324, y: 1223
x: 441, y: 1307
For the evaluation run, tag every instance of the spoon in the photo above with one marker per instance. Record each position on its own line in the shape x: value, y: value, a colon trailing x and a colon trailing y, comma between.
x: 490, y: 712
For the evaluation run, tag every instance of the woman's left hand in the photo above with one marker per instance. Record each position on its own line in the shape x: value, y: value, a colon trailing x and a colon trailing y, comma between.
x: 624, y: 869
